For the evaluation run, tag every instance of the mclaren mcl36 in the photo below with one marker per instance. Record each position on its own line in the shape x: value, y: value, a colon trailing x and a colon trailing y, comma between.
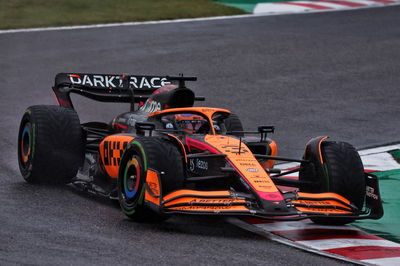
x: 165, y: 157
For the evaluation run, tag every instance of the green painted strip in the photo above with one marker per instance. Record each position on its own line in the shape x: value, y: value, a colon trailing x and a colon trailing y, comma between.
x: 396, y: 155
x: 389, y: 225
x: 386, y: 175
x: 246, y: 5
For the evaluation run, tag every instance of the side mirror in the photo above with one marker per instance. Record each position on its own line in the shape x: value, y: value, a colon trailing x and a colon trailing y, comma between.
x: 264, y: 130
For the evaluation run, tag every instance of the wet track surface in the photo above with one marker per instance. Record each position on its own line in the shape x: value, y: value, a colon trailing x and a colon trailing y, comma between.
x: 331, y: 74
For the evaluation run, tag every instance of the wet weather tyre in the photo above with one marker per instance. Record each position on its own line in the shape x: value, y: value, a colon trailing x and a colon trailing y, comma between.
x: 50, y: 144
x: 142, y: 154
x: 233, y: 124
x: 344, y: 176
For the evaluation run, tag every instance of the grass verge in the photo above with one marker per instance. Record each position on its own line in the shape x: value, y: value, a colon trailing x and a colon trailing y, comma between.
x: 46, y: 13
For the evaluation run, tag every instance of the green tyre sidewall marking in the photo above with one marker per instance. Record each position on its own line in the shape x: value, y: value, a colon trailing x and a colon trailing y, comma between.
x: 144, y: 158
x: 139, y: 145
x: 326, y: 177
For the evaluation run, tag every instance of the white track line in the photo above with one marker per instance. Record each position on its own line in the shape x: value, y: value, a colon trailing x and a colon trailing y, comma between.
x: 108, y: 25
x: 379, y: 149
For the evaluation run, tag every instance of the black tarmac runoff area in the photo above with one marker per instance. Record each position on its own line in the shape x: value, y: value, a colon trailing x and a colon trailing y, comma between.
x: 334, y: 73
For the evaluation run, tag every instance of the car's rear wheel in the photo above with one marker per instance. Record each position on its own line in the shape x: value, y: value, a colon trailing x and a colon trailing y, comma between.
x: 142, y: 154
x: 344, y: 175
x: 50, y: 144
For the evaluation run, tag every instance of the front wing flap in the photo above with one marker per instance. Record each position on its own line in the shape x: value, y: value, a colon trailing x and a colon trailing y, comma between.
x: 300, y: 205
x: 305, y: 205
x: 322, y: 203
x: 205, y: 202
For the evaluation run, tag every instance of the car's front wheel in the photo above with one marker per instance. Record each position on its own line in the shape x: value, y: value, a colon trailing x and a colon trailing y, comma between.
x: 344, y: 175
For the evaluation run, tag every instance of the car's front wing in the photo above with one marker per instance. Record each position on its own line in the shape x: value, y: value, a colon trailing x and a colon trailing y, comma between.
x: 299, y: 205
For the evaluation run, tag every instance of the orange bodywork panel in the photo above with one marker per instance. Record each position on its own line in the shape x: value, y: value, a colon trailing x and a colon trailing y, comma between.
x: 322, y: 195
x: 247, y: 164
x: 111, y: 150
x: 321, y: 203
x: 331, y: 203
x: 203, y: 201
x: 274, y: 152
x: 211, y: 208
x: 194, y: 200
x: 194, y: 193
x: 153, y: 188
x: 322, y: 210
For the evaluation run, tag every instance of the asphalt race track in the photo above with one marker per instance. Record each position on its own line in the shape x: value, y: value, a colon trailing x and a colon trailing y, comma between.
x: 335, y: 73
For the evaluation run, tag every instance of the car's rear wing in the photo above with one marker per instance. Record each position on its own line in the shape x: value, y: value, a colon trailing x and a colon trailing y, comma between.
x: 110, y: 87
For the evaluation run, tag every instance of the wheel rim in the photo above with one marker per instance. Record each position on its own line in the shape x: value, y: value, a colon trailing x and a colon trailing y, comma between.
x: 132, y: 178
x: 26, y: 144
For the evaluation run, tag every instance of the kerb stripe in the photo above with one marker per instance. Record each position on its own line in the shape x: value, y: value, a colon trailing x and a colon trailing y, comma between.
x: 316, y: 234
x: 313, y: 6
x: 366, y: 252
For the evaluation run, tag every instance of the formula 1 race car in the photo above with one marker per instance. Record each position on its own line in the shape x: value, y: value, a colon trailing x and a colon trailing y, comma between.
x: 167, y: 157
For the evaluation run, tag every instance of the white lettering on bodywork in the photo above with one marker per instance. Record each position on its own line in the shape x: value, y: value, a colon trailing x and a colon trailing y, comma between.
x: 98, y: 80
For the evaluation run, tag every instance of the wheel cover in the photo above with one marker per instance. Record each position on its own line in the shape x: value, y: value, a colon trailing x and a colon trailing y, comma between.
x: 132, y: 178
x: 130, y: 185
x: 26, y: 143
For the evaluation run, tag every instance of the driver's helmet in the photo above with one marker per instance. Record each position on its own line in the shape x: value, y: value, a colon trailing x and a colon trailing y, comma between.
x: 190, y: 123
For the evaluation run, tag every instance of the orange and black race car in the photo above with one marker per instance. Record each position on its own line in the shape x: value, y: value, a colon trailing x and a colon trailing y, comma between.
x: 166, y: 157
